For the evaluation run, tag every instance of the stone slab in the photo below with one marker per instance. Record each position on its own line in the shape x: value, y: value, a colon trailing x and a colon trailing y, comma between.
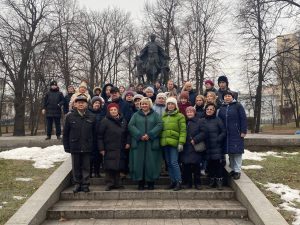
x: 34, y: 210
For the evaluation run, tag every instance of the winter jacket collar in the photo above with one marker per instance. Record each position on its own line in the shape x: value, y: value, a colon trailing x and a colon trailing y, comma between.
x: 230, y: 103
x: 143, y: 114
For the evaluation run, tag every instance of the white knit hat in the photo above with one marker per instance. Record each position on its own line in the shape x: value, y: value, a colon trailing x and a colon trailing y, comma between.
x: 149, y: 89
x: 161, y: 95
x: 172, y: 100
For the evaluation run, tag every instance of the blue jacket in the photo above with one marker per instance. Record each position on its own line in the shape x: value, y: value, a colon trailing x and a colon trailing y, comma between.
x: 234, y: 118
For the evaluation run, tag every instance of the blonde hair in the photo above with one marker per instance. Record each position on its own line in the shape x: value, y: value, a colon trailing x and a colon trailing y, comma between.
x: 213, y: 94
x: 148, y: 101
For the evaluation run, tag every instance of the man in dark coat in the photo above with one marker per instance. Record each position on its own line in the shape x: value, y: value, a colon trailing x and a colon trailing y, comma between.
x: 53, y: 102
x: 71, y: 91
x: 223, y: 86
x: 78, y: 140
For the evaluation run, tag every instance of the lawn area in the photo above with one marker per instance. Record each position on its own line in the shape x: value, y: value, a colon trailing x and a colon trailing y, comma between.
x: 14, y: 193
x: 285, y: 170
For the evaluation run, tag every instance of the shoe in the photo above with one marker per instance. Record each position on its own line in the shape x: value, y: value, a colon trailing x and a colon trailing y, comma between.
x: 178, y: 186
x: 198, y: 187
x: 212, y: 182
x: 219, y: 182
x: 77, y: 188
x: 141, y: 185
x: 48, y: 138
x: 231, y: 173
x: 85, y: 189
x: 150, y: 185
x: 58, y: 137
x: 108, y: 188
x: 236, y: 176
x: 187, y: 186
x: 171, y: 186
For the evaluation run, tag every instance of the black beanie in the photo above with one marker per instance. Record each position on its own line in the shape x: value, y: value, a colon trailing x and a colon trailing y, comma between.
x: 224, y: 79
x: 53, y: 83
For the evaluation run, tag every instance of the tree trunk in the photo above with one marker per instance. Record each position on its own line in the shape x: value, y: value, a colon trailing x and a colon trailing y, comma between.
x: 19, y: 125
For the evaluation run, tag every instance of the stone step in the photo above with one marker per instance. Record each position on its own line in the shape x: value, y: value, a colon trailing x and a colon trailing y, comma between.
x: 150, y: 222
x: 131, y: 192
x: 161, y: 181
x: 146, y: 209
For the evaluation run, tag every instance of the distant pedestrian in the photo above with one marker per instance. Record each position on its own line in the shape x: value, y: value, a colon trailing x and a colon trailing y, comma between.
x: 53, y: 103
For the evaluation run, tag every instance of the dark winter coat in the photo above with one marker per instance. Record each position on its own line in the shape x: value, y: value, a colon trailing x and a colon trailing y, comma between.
x: 234, y: 118
x: 67, y: 102
x: 53, y: 102
x: 192, y: 97
x: 216, y: 134
x: 78, y: 132
x: 145, y: 156
x: 125, y: 108
x: 99, y: 115
x: 195, y: 131
x: 112, y: 136
x: 200, y: 113
x: 103, y: 93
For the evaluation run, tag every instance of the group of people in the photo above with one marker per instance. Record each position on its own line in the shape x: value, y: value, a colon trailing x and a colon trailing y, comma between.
x: 142, y: 132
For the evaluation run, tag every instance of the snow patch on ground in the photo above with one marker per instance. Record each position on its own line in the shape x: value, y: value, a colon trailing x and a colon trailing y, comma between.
x: 289, y: 196
x: 4, y: 203
x: 252, y: 167
x: 18, y: 197
x: 44, y: 158
x: 1, y: 206
x: 260, y: 156
x: 23, y: 179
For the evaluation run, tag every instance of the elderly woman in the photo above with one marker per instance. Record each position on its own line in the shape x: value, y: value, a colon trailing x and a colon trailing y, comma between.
x: 234, y: 117
x: 145, y: 154
x: 113, y: 141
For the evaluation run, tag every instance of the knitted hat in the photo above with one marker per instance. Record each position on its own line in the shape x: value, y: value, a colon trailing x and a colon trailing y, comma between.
x: 190, y: 108
x: 97, y: 88
x: 172, y: 100
x: 138, y: 96
x: 95, y: 99
x: 227, y: 93
x: 209, y: 82
x: 148, y: 101
x: 129, y: 93
x: 223, y: 79
x: 111, y: 105
x: 52, y: 83
x: 83, y: 84
x: 149, y: 89
x: 161, y: 95
x: 184, y: 95
x: 81, y: 98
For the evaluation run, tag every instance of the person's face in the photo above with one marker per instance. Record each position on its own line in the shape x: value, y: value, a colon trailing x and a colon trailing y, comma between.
x: 161, y: 100
x: 71, y: 90
x: 82, y: 90
x: 97, y: 92
x: 228, y: 98
x: 53, y: 86
x: 171, y: 106
x: 188, y: 87
x: 122, y: 89
x: 137, y: 103
x: 96, y: 105
x: 222, y: 85
x: 140, y: 88
x: 190, y: 114
x: 115, y: 95
x: 157, y: 85
x: 107, y: 91
x: 199, y: 102
x: 170, y: 85
x: 210, y: 110
x: 145, y: 106
x: 81, y: 105
x: 129, y: 98
x: 208, y: 86
x: 183, y: 100
x: 113, y: 111
x: 149, y: 93
x: 210, y: 98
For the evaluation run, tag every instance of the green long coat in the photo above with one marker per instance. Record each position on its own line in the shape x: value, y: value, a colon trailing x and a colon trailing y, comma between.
x: 145, y: 156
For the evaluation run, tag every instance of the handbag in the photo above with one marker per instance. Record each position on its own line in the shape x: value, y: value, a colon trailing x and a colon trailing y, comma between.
x: 200, y: 147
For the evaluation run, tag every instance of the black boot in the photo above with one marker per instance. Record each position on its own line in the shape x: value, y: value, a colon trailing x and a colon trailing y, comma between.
x: 212, y: 182
x: 77, y: 188
x: 219, y: 182
x: 236, y: 176
x: 178, y: 186
x: 171, y: 186
x: 85, y: 188
x: 141, y: 185
x: 150, y: 185
x: 198, y: 187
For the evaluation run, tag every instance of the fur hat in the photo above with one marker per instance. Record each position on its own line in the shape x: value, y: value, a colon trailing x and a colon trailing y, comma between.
x: 129, y: 93
x: 172, y: 100
x: 149, y: 89
x: 223, y: 79
x: 111, y: 105
x: 161, y: 95
x: 97, y: 88
x: 148, y: 100
x: 52, y: 83
x: 81, y: 98
x: 209, y: 82
x: 138, y: 96
x: 83, y: 84
x: 95, y: 99
x: 184, y: 95
x: 190, y: 108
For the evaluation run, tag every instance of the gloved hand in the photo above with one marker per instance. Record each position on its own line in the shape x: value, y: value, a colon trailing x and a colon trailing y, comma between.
x: 180, y: 148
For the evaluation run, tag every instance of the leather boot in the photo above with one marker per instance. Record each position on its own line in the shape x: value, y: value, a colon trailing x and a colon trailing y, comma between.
x: 141, y: 185
x: 178, y: 186
x: 219, y: 182
x: 212, y: 182
x: 77, y: 188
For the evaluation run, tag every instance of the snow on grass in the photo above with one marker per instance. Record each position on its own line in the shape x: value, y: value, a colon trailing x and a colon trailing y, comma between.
x: 18, y: 197
x: 43, y: 158
x: 23, y: 179
x: 260, y: 156
x: 289, y: 196
x: 252, y: 167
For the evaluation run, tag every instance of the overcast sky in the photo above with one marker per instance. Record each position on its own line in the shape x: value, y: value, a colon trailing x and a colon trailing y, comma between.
x: 232, y: 63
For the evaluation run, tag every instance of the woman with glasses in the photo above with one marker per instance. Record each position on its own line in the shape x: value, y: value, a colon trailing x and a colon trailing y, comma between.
x: 216, y: 134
